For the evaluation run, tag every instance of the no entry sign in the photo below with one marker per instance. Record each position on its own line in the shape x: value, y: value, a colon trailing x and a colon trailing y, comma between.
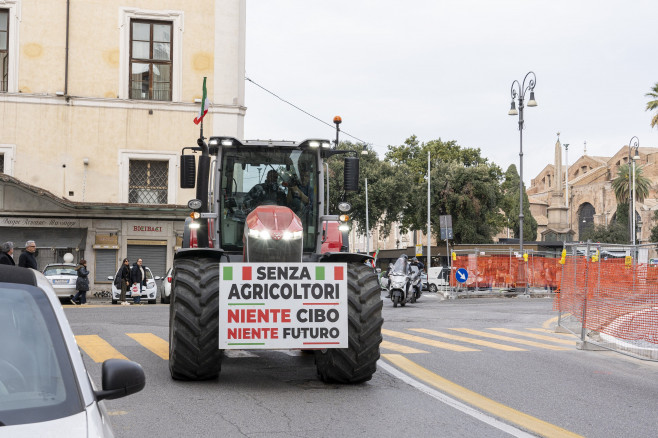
x: 282, y: 305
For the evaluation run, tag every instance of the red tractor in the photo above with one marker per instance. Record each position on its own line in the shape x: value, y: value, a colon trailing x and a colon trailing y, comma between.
x: 259, y: 222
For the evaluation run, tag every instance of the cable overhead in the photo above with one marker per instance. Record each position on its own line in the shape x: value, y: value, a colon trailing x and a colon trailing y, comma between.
x: 299, y: 109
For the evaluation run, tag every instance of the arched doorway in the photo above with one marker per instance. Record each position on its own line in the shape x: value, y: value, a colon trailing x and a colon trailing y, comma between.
x: 586, y: 214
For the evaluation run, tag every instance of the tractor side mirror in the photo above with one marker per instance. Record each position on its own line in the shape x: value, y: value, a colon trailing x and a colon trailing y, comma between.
x: 187, y: 171
x: 351, y: 174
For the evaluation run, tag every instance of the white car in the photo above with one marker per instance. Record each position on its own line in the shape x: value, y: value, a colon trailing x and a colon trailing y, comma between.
x: 44, y: 387
x: 149, y: 293
x: 62, y: 277
x: 165, y: 293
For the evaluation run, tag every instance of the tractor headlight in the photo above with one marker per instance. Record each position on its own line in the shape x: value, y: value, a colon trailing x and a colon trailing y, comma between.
x: 263, y: 234
x: 294, y: 235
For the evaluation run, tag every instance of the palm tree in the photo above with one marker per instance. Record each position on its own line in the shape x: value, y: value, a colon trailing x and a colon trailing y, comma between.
x: 653, y: 104
x: 620, y: 184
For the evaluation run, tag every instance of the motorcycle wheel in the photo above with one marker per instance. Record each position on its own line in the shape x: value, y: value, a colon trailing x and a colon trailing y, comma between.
x: 396, y: 299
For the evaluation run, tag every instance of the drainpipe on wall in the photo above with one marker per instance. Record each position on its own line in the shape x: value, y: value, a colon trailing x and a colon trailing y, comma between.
x: 66, y: 58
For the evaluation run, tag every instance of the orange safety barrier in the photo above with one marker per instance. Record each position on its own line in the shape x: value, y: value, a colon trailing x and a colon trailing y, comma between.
x: 611, y: 297
x: 506, y: 272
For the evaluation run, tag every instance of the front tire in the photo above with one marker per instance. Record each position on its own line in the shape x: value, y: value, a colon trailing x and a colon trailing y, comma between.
x: 194, y: 320
x: 433, y: 288
x: 358, y: 362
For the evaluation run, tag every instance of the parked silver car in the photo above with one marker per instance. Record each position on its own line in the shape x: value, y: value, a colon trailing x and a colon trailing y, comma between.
x: 149, y: 293
x: 44, y: 387
x: 62, y: 277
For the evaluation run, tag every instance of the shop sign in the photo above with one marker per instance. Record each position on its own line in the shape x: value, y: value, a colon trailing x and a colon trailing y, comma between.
x: 145, y: 228
x: 283, y: 305
x: 39, y: 222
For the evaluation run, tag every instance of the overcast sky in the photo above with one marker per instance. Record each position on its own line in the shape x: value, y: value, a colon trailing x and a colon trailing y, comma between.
x: 444, y: 69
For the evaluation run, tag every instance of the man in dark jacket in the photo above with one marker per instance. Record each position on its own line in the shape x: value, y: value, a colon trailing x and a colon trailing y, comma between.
x: 6, y: 252
x: 27, y: 258
x: 123, y: 280
x: 138, y: 276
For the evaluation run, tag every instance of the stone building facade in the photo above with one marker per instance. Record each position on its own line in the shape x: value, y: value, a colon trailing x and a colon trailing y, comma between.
x: 97, y: 99
x: 590, y: 199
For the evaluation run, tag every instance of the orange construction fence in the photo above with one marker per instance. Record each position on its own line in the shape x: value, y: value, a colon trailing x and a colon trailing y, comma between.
x: 617, y: 297
x: 504, y: 271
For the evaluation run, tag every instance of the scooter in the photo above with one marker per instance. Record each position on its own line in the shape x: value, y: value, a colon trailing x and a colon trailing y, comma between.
x: 415, y: 283
x: 400, y: 288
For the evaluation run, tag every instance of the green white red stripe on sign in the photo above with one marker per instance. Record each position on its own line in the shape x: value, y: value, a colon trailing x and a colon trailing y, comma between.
x: 205, y: 104
x: 283, y: 305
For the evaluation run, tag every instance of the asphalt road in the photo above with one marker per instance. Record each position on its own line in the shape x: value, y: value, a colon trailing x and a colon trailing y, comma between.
x: 455, y: 368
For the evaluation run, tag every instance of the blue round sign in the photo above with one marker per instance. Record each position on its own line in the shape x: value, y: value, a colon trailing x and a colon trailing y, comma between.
x: 461, y: 275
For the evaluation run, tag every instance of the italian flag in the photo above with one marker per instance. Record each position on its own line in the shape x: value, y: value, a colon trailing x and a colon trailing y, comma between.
x: 205, y: 103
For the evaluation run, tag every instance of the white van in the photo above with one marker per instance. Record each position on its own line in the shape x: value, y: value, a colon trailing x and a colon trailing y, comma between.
x: 436, y: 278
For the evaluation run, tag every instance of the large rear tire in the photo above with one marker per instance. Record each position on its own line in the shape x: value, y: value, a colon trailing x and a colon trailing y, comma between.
x: 358, y: 362
x: 194, y: 320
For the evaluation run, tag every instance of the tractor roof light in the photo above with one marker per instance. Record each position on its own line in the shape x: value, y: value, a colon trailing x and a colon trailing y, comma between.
x: 213, y: 142
x: 314, y: 144
x: 227, y: 142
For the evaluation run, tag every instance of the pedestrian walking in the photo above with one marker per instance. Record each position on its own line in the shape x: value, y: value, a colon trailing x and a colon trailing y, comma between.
x: 27, y: 258
x: 6, y: 254
x: 82, y: 283
x: 138, y: 280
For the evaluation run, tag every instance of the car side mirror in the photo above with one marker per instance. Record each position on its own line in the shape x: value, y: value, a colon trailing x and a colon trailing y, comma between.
x: 109, y: 277
x: 120, y: 378
x: 157, y: 277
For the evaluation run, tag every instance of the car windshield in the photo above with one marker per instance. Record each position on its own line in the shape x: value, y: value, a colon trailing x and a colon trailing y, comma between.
x: 37, y: 382
x: 271, y: 176
x: 59, y: 270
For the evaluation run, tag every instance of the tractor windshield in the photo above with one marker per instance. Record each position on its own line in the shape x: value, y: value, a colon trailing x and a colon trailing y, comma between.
x: 267, y: 176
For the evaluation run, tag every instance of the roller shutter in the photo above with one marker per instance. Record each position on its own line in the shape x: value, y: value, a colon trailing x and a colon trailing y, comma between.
x: 106, y: 265
x: 153, y: 257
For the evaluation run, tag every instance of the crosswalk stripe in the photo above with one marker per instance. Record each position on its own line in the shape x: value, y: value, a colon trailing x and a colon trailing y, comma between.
x: 469, y: 340
x: 509, y: 339
x: 551, y: 332
x: 534, y: 336
x: 152, y: 343
x: 425, y: 341
x: 98, y: 349
x: 400, y: 348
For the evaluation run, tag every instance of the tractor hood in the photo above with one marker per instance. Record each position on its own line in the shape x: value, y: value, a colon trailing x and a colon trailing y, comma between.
x: 273, y: 222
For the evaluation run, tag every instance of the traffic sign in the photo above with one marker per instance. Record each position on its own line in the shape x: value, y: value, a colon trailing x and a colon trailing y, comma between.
x: 461, y: 275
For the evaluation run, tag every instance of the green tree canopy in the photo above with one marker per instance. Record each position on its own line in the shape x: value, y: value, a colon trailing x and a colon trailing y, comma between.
x: 621, y: 186
x: 510, y: 206
x: 653, y: 104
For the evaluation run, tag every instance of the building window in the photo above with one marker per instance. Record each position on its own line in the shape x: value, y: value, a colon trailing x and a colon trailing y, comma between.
x: 148, y: 182
x: 2, y: 163
x: 586, y: 214
x: 150, y: 60
x: 4, y: 49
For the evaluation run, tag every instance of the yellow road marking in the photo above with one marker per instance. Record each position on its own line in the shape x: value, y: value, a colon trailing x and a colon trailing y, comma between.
x: 469, y: 340
x: 400, y: 348
x: 478, y: 401
x: 153, y: 343
x: 554, y: 333
x: 551, y: 321
x: 97, y: 348
x: 534, y: 336
x: 509, y: 339
x: 432, y: 342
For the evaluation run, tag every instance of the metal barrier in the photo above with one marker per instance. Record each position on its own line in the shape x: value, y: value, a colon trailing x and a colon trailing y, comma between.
x: 506, y: 271
x: 608, y: 297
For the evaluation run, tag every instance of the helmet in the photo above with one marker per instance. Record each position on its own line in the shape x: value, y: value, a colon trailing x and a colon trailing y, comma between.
x: 415, y: 259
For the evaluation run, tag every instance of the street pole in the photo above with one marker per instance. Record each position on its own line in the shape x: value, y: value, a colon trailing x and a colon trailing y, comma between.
x: 631, y: 188
x: 429, y: 227
x: 519, y: 92
x: 367, y: 225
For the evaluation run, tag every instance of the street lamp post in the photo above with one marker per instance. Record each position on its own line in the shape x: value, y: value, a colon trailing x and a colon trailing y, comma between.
x: 631, y: 186
x: 518, y: 92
